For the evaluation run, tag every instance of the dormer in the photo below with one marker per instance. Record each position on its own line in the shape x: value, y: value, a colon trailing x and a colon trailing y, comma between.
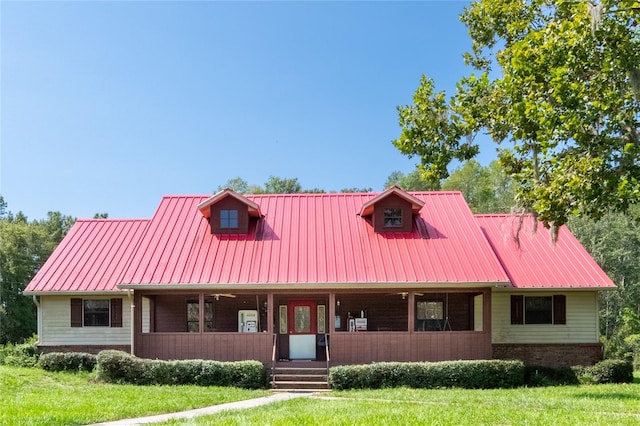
x: 228, y: 212
x: 392, y: 210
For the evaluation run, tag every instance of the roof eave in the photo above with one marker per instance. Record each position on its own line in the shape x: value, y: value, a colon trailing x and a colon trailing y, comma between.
x: 314, y: 286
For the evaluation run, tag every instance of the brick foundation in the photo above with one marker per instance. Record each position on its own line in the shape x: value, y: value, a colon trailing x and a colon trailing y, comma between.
x: 91, y: 349
x: 550, y: 355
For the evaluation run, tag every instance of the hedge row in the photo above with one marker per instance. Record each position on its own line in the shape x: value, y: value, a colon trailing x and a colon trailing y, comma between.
x: 120, y: 367
x: 482, y: 374
x: 68, y: 361
x: 607, y: 371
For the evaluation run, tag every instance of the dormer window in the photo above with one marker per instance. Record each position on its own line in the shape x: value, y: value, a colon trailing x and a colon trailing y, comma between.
x: 228, y: 219
x: 392, y: 210
x: 229, y: 212
x: 392, y: 218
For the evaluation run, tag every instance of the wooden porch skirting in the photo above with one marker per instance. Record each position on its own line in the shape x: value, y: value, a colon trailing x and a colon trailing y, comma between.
x: 550, y: 354
x: 367, y: 347
x: 345, y: 347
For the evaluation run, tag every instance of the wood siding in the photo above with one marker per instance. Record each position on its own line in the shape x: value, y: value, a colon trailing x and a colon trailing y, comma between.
x: 57, y: 330
x: 581, y: 321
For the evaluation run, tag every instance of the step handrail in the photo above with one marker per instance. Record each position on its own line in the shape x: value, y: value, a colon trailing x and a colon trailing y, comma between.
x: 273, y: 354
x: 326, y: 350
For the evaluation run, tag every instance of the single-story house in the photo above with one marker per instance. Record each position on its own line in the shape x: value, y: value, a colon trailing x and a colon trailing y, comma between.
x: 346, y: 277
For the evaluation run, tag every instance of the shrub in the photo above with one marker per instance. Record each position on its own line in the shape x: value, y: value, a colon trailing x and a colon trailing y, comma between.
x: 483, y: 374
x: 607, y: 371
x: 22, y: 355
x: 120, y: 367
x: 549, y: 376
x: 68, y: 361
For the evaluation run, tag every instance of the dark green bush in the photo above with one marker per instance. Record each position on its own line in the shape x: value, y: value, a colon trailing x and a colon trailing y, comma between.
x: 549, y: 376
x: 120, y: 367
x: 21, y: 355
x: 607, y: 371
x: 68, y: 361
x: 483, y: 374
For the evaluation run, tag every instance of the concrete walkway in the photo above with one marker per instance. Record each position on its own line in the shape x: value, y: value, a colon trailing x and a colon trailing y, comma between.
x: 238, y: 405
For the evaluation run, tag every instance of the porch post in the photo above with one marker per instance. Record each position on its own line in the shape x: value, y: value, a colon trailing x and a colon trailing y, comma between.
x: 487, y: 311
x: 200, y: 312
x: 270, y: 308
x: 332, y: 312
x: 411, y: 312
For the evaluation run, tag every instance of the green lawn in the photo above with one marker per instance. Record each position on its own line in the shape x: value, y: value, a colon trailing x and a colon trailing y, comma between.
x: 571, y: 405
x: 35, y: 397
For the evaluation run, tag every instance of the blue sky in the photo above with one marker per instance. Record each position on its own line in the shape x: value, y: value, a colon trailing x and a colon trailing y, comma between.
x: 107, y: 106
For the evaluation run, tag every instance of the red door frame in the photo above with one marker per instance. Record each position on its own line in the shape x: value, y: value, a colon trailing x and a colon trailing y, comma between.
x: 313, y: 315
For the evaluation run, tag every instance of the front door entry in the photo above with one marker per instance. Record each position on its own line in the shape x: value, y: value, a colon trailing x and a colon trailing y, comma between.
x: 302, y: 323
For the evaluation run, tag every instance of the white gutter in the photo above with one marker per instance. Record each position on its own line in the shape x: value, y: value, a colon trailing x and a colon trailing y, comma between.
x: 131, y: 325
x: 38, y: 317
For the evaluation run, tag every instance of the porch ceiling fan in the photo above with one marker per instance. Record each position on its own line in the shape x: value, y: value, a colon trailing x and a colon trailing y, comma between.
x: 404, y: 294
x: 219, y: 295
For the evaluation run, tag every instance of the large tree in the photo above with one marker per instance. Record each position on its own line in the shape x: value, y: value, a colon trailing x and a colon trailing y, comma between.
x: 614, y: 242
x: 557, y: 84
x: 24, y: 247
x: 486, y: 189
x: 413, y: 181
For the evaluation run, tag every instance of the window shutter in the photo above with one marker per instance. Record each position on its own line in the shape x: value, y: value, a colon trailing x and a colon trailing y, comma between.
x: 559, y: 309
x: 76, y: 312
x: 116, y: 312
x: 517, y: 309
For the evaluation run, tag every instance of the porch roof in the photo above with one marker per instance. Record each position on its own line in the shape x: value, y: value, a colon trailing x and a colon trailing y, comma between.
x: 535, y: 262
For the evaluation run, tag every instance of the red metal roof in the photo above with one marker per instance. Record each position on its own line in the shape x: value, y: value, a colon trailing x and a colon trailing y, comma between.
x: 536, y: 262
x: 314, y: 239
x: 91, y: 257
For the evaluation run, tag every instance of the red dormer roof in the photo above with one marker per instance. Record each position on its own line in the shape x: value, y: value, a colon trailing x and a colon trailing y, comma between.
x: 416, y: 204
x: 204, y: 207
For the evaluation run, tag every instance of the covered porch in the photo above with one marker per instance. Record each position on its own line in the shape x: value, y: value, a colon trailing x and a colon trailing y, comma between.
x: 337, y: 326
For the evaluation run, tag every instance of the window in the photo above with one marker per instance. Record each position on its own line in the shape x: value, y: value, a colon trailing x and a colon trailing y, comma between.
x: 228, y: 219
x: 193, y: 316
x: 392, y: 218
x: 96, y: 313
x: 430, y: 315
x: 538, y: 309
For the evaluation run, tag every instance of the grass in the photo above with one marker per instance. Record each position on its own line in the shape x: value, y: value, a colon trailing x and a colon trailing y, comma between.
x: 36, y: 397
x: 30, y: 396
x: 570, y: 405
